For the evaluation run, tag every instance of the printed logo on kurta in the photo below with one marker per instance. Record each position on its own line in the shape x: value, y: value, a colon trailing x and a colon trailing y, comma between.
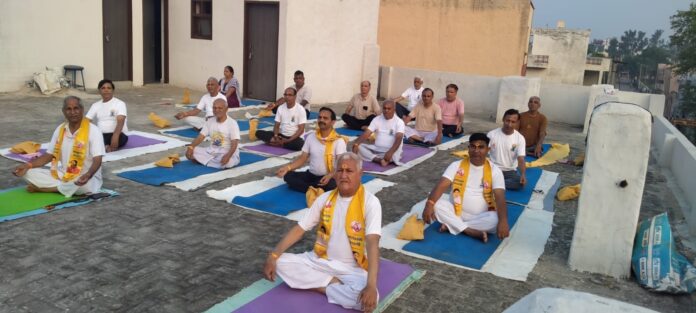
x: 485, y: 185
x: 391, y: 132
x: 356, y: 226
x: 112, y: 113
x: 217, y: 139
x: 514, y: 147
x: 460, y: 172
x: 80, y: 144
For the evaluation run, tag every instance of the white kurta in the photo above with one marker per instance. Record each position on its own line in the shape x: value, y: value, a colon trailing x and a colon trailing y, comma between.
x: 221, y: 136
x: 426, y: 135
x: 385, y: 135
x: 205, y: 105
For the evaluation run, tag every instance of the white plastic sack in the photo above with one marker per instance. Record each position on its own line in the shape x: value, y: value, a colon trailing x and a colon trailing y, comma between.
x: 553, y: 300
x: 49, y: 81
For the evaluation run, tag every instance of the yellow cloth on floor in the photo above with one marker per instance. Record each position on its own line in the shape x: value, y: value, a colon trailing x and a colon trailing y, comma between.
x: 579, y: 160
x: 187, y: 97
x: 253, y: 125
x: 568, y: 192
x: 413, y: 229
x: 265, y: 113
x: 158, y: 120
x: 26, y: 147
x: 168, y: 161
x: 557, y: 152
x: 312, y: 194
x: 461, y: 153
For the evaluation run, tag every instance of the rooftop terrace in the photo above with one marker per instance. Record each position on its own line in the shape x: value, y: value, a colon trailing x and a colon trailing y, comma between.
x: 156, y: 249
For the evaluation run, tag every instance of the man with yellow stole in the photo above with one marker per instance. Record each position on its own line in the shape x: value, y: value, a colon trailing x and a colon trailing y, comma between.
x: 75, y: 153
x: 320, y: 148
x: 477, y: 202
x: 345, y: 259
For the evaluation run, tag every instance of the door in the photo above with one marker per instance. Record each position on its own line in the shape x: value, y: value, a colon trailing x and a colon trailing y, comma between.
x: 260, y: 50
x: 117, y: 39
x: 152, y: 41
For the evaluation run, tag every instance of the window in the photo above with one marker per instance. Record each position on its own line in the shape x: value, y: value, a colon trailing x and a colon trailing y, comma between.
x: 202, y: 19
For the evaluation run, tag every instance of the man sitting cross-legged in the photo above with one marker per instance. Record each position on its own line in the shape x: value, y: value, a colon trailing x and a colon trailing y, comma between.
x: 362, y: 108
x: 289, y: 124
x: 205, y: 104
x: 508, y: 150
x: 75, y: 153
x: 349, y: 221
x: 389, y: 134
x: 428, y: 117
x: 477, y: 202
x: 224, y: 138
x: 321, y: 148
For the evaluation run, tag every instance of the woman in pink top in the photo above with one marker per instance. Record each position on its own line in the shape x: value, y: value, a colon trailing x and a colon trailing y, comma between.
x: 452, y: 112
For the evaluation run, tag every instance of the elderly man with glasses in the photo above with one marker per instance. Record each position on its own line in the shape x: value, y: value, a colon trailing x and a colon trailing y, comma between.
x: 289, y: 125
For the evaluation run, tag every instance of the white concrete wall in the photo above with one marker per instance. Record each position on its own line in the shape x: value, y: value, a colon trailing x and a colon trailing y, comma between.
x: 564, y: 103
x: 192, y: 61
x: 331, y: 41
x: 35, y: 34
x: 677, y: 155
x: 514, y: 93
x: 567, y: 51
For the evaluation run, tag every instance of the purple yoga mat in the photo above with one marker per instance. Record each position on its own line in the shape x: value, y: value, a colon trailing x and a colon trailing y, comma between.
x: 268, y: 149
x: 409, y: 154
x: 284, y: 299
x: 134, y: 141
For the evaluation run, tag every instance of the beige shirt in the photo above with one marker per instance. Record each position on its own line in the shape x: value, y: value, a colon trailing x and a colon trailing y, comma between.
x: 364, y: 108
x: 426, y: 118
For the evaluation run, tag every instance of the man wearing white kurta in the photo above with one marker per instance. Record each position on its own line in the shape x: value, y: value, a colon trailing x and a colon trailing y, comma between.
x: 289, y: 124
x: 205, y: 104
x: 224, y: 139
x: 338, y: 267
x: 389, y: 136
x: 85, y: 173
x: 320, y: 173
x: 477, y: 202
x: 412, y: 94
x: 508, y: 150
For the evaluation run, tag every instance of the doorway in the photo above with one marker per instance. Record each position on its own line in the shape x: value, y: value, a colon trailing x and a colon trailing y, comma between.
x: 260, y: 50
x: 118, y: 65
x: 152, y: 41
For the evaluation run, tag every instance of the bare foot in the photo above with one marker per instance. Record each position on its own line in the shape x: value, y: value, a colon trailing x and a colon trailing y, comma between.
x: 383, y: 162
x: 476, y: 234
x: 32, y: 188
x: 443, y: 228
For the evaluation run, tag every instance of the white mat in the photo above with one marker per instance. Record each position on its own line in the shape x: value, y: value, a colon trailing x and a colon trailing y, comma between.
x: 251, y: 188
x: 169, y: 143
x: 452, y: 143
x: 202, y: 180
x: 553, y: 300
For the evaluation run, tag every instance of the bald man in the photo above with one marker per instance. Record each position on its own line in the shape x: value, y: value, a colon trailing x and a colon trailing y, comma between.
x: 205, y: 104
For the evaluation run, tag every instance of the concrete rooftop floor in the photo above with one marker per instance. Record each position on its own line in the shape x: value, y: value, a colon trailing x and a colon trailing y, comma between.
x: 159, y: 249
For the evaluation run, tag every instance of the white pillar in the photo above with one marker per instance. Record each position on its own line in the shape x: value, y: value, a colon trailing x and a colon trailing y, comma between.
x: 598, y: 94
x: 616, y: 163
x: 514, y: 93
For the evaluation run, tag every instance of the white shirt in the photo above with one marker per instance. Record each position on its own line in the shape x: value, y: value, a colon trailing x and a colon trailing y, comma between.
x: 303, y: 93
x: 386, y: 130
x: 339, y: 247
x: 206, y: 103
x: 105, y: 114
x: 473, y: 202
x: 316, y: 149
x: 506, y: 148
x: 413, y: 95
x: 290, y: 119
x: 221, y: 135
x: 95, y: 148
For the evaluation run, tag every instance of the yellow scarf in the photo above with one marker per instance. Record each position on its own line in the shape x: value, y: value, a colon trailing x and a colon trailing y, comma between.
x: 77, y: 154
x: 459, y: 184
x: 355, y: 226
x: 328, y: 150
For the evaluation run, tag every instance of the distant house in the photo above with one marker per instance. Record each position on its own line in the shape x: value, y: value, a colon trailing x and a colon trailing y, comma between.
x: 184, y: 42
x: 463, y: 36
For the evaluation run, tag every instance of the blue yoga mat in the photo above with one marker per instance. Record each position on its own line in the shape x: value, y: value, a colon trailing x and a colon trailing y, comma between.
x: 248, y: 102
x: 523, y: 195
x: 186, y: 132
x: 544, y: 148
x: 183, y: 170
x: 280, y: 200
x: 461, y: 249
x: 349, y: 132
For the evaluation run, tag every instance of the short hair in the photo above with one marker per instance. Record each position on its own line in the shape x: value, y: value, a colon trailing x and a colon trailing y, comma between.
x: 294, y: 91
x: 389, y: 101
x: 105, y: 81
x: 298, y: 73
x: 479, y: 137
x: 366, y: 81
x: 512, y: 112
x: 333, y: 114
x: 211, y: 78
x: 418, y: 78
x: 348, y: 156
x: 453, y: 86
x: 228, y: 67
x: 428, y: 89
x: 220, y: 100
x: 68, y: 98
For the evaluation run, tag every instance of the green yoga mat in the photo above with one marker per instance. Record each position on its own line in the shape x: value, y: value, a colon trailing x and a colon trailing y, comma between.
x: 19, y: 200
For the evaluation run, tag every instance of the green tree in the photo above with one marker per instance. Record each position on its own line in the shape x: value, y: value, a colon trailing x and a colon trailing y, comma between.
x: 687, y: 100
x: 613, y: 49
x: 684, y: 39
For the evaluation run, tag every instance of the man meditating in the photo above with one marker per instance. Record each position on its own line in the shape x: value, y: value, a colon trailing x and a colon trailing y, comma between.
x: 389, y: 134
x: 75, y: 153
x: 452, y: 112
x: 110, y: 115
x: 345, y: 260
x: 507, y: 150
x: 477, y: 200
x: 303, y: 94
x: 362, y: 108
x: 412, y: 94
x: 321, y: 149
x: 224, y: 139
x: 428, y: 115
x: 289, y: 124
x: 533, y: 127
x: 205, y: 104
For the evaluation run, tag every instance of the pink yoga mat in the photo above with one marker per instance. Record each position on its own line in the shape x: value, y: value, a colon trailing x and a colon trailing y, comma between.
x: 409, y: 153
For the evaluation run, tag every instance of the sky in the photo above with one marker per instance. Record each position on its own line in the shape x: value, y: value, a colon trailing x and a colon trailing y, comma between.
x: 608, y: 18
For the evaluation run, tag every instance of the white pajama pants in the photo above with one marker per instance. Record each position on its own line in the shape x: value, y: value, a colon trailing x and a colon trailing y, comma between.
x: 42, y: 178
x: 370, y: 152
x: 213, y: 159
x: 195, y: 121
x: 307, y: 271
x: 444, y: 212
x: 427, y: 136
